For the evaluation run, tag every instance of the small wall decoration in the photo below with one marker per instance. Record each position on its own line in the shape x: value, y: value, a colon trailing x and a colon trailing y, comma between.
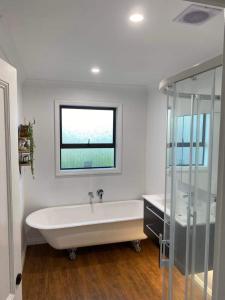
x: 26, y: 146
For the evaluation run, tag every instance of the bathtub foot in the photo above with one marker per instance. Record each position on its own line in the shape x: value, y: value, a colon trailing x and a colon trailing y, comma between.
x: 137, y: 245
x: 72, y: 253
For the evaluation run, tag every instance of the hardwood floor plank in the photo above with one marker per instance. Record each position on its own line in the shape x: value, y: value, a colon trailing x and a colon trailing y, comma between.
x: 108, y: 272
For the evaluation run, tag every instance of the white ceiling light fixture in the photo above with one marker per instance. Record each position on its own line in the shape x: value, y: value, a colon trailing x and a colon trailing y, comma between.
x: 95, y: 70
x: 136, y: 18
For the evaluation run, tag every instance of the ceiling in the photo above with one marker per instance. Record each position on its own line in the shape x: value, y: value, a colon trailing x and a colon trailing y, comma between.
x: 62, y: 40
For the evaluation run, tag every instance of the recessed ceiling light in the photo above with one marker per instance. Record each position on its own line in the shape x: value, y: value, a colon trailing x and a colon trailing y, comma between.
x: 136, y: 18
x: 95, y: 70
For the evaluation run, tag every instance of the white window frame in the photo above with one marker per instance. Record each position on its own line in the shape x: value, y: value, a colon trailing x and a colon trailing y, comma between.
x: 118, y: 149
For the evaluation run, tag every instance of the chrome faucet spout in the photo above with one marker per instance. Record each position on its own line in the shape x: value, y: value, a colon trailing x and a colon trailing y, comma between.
x: 91, y: 197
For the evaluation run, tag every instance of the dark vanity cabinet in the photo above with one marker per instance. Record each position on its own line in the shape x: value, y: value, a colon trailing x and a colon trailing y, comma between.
x: 153, y: 221
x: 196, y: 260
x: 154, y: 226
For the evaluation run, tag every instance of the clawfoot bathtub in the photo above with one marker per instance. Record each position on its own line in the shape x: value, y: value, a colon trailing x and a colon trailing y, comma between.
x: 70, y: 227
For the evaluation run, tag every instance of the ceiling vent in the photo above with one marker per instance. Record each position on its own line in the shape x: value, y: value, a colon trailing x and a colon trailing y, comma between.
x: 197, y: 14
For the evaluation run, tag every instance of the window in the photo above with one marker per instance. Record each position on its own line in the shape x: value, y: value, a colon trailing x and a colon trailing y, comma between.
x: 89, y: 138
x: 183, y: 139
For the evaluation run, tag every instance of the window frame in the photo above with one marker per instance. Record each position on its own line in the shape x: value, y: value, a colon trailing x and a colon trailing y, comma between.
x: 116, y: 144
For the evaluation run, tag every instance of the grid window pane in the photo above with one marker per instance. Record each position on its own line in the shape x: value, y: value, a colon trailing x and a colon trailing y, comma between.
x: 183, y: 156
x: 186, y: 129
x: 195, y: 128
x: 87, y: 126
x: 183, y: 137
x: 87, y: 158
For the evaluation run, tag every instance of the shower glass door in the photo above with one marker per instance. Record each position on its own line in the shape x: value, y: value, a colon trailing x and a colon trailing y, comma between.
x: 191, y: 184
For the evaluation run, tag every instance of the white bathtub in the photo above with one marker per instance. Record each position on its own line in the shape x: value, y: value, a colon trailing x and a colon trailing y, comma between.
x: 76, y: 226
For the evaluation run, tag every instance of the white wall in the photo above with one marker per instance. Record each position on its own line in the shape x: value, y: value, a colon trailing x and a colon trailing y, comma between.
x: 156, y: 142
x: 47, y: 189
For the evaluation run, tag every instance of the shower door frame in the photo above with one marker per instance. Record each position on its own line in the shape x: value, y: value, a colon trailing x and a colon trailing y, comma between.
x: 219, y: 261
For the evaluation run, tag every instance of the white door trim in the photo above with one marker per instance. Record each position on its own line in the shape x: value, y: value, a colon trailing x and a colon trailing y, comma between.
x: 5, y: 88
x: 8, y: 82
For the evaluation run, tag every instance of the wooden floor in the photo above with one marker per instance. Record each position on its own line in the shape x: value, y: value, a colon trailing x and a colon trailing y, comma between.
x: 111, y: 272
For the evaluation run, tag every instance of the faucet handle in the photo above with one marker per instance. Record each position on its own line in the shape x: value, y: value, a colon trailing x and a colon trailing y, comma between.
x: 100, y: 193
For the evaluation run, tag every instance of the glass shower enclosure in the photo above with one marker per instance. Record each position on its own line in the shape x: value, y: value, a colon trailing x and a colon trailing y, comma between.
x: 187, y: 244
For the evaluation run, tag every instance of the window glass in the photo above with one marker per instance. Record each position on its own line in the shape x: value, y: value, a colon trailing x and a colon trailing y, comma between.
x: 87, y: 137
x: 87, y: 158
x: 83, y: 126
x: 183, y: 145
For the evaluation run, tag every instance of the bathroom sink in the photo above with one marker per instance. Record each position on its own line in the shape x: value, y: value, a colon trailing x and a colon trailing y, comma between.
x: 181, y: 209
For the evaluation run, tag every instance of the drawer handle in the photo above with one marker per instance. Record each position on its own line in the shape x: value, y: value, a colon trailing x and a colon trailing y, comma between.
x: 152, y: 231
x: 149, y: 209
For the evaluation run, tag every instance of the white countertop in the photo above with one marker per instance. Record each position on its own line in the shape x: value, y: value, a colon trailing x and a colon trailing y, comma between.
x: 158, y: 200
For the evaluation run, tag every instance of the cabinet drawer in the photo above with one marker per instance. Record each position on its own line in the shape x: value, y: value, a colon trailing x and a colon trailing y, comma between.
x: 153, y: 230
x: 151, y: 208
x: 153, y: 221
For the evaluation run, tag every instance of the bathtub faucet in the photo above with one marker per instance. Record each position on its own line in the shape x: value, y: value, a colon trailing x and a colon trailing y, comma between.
x: 100, y: 194
x: 91, y: 197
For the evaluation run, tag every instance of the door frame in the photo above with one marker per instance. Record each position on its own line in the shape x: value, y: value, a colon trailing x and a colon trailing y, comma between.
x: 218, y: 291
x: 219, y: 257
x: 8, y: 82
x: 5, y: 87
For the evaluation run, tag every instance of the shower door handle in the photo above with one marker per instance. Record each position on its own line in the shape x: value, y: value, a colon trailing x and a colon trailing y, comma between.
x: 163, y: 261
